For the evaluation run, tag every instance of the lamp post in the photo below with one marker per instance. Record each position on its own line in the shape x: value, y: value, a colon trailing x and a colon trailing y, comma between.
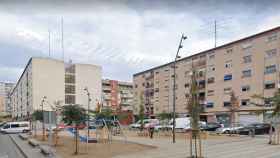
x: 43, y: 121
x: 89, y: 99
x: 183, y: 37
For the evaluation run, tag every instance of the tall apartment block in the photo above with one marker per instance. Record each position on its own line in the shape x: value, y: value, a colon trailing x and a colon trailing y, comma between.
x: 5, y: 89
x: 57, y: 81
x: 117, y: 95
x: 247, y: 66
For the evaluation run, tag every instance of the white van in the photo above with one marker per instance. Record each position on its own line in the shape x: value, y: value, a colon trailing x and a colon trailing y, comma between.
x: 15, y: 127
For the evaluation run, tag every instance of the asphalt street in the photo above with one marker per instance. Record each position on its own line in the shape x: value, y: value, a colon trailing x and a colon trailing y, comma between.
x: 8, y: 149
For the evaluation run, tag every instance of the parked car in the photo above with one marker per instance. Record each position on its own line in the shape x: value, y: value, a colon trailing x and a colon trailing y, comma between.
x: 259, y: 128
x: 211, y: 126
x: 15, y: 127
x: 147, y: 123
x: 233, y: 129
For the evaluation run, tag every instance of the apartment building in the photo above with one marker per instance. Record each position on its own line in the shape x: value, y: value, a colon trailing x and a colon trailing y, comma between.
x: 56, y: 81
x: 117, y: 95
x: 5, y: 88
x: 247, y: 66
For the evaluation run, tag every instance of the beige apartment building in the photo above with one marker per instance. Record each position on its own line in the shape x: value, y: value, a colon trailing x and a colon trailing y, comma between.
x: 5, y: 89
x: 117, y: 95
x: 247, y: 66
x: 57, y: 81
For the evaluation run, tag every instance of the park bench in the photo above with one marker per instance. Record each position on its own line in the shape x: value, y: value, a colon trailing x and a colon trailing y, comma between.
x: 33, y: 142
x: 23, y: 136
x: 46, y: 150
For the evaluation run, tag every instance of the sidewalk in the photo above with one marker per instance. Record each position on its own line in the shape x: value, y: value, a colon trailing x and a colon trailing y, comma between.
x: 241, y: 147
x: 27, y: 150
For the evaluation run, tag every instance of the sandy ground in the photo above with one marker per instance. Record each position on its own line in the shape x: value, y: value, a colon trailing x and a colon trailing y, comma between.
x: 66, y: 144
x: 66, y: 148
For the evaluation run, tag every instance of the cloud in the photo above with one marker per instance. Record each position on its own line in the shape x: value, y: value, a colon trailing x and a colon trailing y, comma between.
x: 124, y: 37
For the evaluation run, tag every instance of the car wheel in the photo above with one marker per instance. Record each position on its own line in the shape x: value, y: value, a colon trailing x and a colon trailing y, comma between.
x: 226, y: 132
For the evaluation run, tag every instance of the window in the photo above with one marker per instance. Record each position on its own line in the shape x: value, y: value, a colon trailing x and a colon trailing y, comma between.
x: 211, y: 68
x: 229, y: 51
x: 157, y: 72
x: 157, y: 90
x: 210, y: 92
x: 69, y: 99
x: 246, y: 73
x: 245, y: 88
x: 271, y: 53
x: 211, y: 56
x: 227, y: 90
x: 247, y: 59
x: 136, y: 86
x: 247, y: 46
x: 69, y: 89
x: 269, y: 85
x: 210, y: 105
x: 267, y: 102
x: 270, y: 69
x: 228, y: 64
x: 187, y: 85
x: 245, y: 102
x: 211, y: 80
x: 14, y: 125
x: 228, y: 77
x: 69, y: 78
x: 227, y: 104
x: 272, y: 37
x: 70, y: 68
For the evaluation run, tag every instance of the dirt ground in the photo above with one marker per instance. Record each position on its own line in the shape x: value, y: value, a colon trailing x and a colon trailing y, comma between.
x: 66, y: 148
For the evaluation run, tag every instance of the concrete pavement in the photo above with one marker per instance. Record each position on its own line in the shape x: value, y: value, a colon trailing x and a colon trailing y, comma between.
x: 8, y: 148
x: 238, y: 147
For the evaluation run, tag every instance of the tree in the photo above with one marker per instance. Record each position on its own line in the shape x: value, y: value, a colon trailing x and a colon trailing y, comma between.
x: 194, y: 109
x: 74, y: 115
x: 233, y: 108
x: 165, y: 116
x: 141, y: 111
x: 274, y: 103
x: 37, y: 115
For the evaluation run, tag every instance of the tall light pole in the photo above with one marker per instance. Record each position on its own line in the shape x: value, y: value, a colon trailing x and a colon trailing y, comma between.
x: 89, y: 99
x: 183, y: 37
x: 43, y: 121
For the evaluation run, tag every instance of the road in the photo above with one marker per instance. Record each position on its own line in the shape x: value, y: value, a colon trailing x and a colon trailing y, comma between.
x: 8, y: 149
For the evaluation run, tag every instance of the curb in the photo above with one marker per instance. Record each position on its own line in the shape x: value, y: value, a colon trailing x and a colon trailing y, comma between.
x: 19, y: 148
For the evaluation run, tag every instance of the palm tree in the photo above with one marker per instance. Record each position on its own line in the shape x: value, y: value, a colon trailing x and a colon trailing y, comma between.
x: 275, y: 103
x: 194, y: 109
x: 37, y: 116
x: 233, y: 108
x: 74, y: 115
x: 141, y: 111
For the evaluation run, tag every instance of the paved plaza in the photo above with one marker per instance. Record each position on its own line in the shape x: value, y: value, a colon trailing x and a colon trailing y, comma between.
x: 232, y: 147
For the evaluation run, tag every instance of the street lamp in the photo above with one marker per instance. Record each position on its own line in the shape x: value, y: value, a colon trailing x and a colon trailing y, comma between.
x: 89, y: 99
x: 183, y: 37
x: 43, y: 121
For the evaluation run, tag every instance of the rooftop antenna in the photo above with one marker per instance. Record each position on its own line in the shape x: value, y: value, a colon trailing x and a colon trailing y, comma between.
x: 49, y: 42
x: 215, y: 23
x: 62, y: 42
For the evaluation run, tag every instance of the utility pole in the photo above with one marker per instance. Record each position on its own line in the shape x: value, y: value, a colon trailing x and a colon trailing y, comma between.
x: 43, y: 121
x: 215, y: 23
x: 174, y: 84
x: 89, y: 100
x: 62, y: 40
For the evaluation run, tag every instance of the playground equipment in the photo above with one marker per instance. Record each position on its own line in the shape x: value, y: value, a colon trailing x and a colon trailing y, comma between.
x: 82, y: 138
x: 104, y: 130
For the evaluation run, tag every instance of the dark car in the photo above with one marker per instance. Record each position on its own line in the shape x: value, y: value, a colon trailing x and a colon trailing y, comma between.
x: 211, y: 126
x: 257, y: 128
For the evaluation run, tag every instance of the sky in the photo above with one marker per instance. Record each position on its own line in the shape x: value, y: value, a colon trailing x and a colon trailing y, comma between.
x: 123, y: 36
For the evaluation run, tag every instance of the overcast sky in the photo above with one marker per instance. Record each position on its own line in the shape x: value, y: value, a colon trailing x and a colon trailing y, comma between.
x: 124, y: 37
